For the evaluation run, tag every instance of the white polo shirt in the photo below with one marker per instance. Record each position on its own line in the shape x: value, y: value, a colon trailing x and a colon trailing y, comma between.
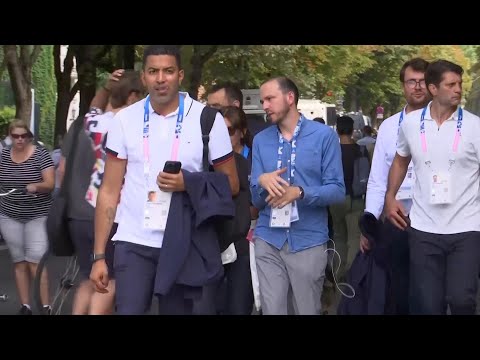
x: 463, y: 214
x: 125, y: 141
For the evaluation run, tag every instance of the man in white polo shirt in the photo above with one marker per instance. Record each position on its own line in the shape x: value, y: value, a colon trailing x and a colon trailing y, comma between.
x: 164, y: 126
x: 412, y: 78
x: 443, y: 142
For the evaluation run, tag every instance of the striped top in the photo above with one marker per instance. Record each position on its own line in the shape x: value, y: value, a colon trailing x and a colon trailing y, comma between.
x: 18, y: 206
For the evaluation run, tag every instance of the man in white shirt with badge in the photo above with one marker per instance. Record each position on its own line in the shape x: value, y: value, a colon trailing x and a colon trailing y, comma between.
x: 443, y: 142
x: 412, y: 78
x: 147, y: 145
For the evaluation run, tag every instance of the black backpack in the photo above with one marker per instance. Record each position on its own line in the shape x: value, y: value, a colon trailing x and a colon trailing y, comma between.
x: 361, y: 172
x: 228, y: 230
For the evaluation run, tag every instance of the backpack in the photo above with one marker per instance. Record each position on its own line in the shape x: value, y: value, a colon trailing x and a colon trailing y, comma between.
x: 228, y: 229
x: 361, y: 172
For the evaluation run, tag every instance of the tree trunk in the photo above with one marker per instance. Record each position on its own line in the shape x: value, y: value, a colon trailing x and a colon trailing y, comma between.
x: 87, y: 77
x: 19, y: 65
x: 65, y: 90
x: 129, y: 57
x: 124, y: 57
x: 195, y: 76
x: 118, y: 56
x: 199, y: 58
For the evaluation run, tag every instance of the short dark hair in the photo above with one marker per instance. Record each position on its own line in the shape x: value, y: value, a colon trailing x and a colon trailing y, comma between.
x: 319, y: 119
x: 344, y: 125
x: 129, y: 82
x: 417, y: 64
x: 153, y: 50
x: 239, y: 121
x: 435, y: 71
x: 286, y: 85
x: 232, y: 91
x: 367, y: 130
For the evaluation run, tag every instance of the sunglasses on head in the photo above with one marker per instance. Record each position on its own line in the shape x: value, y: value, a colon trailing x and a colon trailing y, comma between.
x: 20, y: 136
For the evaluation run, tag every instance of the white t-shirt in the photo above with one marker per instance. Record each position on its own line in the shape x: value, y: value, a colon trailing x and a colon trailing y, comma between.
x: 463, y: 214
x: 97, y: 125
x: 385, y: 149
x: 125, y: 141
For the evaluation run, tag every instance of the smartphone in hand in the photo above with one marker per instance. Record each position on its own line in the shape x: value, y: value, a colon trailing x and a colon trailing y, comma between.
x: 172, y: 167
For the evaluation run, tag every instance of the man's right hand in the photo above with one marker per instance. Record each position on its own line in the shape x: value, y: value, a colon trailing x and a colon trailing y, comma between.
x: 99, y: 276
x: 395, y: 212
x: 273, y: 183
x: 113, y: 78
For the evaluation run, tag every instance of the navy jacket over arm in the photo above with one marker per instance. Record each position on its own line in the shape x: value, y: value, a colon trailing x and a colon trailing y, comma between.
x: 190, y: 254
x: 369, y: 275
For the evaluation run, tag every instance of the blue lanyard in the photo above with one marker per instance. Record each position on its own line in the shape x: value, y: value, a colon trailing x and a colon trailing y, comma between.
x: 281, y: 140
x: 402, y: 114
x: 146, y: 117
x: 400, y: 120
x: 246, y: 151
x: 458, y: 132
x: 146, y: 132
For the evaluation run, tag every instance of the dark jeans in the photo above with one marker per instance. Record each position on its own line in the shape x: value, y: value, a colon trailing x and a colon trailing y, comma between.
x: 443, y: 272
x: 83, y: 237
x: 135, y: 269
x: 239, y: 287
x: 399, y: 266
x: 233, y: 295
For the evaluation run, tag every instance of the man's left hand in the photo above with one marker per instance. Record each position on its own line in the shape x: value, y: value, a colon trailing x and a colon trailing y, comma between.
x: 291, y: 194
x: 170, y: 182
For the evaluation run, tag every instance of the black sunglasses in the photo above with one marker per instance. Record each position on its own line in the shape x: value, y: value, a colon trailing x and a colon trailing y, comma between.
x: 232, y: 130
x: 20, y: 136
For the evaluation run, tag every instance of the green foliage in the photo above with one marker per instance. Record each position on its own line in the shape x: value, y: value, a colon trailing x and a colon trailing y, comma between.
x: 44, y: 83
x: 379, y: 83
x: 7, y: 114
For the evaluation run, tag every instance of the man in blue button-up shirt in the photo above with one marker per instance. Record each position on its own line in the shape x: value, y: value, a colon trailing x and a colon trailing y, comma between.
x: 297, y: 168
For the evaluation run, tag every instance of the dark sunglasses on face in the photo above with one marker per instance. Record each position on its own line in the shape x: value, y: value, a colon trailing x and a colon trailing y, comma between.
x: 231, y: 130
x: 20, y: 136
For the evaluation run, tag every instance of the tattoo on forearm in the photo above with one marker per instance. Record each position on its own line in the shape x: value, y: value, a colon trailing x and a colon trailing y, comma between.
x: 110, y: 212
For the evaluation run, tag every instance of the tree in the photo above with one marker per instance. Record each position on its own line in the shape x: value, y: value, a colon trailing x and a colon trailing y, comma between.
x: 43, y: 80
x: 317, y: 70
x: 20, y: 59
x: 65, y: 89
x: 453, y: 53
x: 201, y: 54
x: 379, y: 82
x: 89, y: 59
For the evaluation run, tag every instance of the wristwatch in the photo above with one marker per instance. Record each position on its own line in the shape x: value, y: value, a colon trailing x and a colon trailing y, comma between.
x: 302, y: 193
x: 96, y: 257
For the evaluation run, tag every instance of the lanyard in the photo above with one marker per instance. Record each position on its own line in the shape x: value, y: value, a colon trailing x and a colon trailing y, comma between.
x: 281, y: 140
x: 246, y: 151
x: 400, y: 120
x: 146, y: 134
x: 458, y: 132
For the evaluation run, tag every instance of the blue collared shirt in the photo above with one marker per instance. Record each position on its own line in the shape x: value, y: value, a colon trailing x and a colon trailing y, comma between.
x: 318, y: 170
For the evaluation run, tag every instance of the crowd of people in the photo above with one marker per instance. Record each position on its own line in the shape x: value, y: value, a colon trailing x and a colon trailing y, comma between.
x: 192, y: 204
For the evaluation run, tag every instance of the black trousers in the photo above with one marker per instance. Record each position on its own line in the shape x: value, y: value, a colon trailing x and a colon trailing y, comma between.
x: 443, y: 272
x: 399, y: 265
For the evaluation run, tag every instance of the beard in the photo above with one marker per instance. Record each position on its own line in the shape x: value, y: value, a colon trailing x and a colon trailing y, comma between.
x: 279, y: 117
x: 419, y: 102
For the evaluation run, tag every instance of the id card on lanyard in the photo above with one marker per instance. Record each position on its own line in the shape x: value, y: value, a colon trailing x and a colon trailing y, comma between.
x: 282, y: 218
x: 441, y: 181
x: 157, y: 202
x: 406, y: 189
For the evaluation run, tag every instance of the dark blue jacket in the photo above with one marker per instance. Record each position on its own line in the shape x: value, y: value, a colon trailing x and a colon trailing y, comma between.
x: 190, y: 254
x: 370, y: 277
